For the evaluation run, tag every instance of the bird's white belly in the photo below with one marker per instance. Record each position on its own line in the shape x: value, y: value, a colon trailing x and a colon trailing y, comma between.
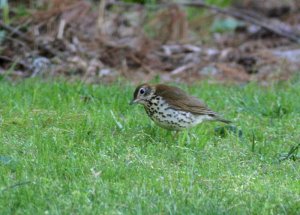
x: 173, y: 122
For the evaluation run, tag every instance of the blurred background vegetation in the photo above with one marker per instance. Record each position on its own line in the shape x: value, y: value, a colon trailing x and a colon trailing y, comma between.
x: 224, y: 40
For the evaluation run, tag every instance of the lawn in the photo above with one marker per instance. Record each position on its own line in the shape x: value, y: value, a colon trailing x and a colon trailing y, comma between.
x: 73, y: 148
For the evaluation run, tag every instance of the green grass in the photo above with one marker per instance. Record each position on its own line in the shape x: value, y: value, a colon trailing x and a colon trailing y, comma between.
x: 62, y: 152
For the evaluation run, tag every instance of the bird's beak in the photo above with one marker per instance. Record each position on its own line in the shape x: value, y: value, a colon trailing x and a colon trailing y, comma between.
x: 133, y: 101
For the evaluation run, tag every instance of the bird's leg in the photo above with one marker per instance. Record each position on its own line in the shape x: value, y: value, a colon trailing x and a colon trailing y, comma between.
x: 188, y: 139
x: 194, y: 136
x: 175, y: 135
x: 185, y: 139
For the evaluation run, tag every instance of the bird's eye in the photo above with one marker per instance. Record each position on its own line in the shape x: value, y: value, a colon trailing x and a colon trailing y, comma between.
x: 142, y: 91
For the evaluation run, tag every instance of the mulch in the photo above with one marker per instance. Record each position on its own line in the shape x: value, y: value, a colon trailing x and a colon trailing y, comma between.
x: 101, y: 42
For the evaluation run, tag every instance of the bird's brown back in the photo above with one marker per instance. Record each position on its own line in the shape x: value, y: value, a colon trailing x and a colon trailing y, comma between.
x: 180, y: 100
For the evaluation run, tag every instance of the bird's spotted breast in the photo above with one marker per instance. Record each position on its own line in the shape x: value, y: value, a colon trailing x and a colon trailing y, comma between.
x: 167, y: 117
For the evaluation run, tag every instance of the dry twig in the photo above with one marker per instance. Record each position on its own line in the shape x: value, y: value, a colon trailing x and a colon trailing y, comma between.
x: 280, y: 28
x: 23, y: 37
x: 277, y: 27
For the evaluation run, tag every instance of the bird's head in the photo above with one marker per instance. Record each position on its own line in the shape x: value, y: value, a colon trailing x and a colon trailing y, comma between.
x: 142, y: 94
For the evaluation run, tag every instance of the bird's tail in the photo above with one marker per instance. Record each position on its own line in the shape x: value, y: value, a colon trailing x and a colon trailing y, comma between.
x: 218, y: 118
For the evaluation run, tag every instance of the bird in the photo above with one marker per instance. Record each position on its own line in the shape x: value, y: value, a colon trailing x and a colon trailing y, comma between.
x: 172, y: 108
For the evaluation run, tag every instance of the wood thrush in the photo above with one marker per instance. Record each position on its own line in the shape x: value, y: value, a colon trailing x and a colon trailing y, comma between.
x: 172, y: 108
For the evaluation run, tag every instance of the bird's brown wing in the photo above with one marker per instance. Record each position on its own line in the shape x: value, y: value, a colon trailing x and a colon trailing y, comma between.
x: 180, y: 100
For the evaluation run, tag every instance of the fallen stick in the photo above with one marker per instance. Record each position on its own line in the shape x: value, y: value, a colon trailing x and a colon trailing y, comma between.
x: 138, y: 61
x: 23, y: 37
x: 182, y: 68
x: 279, y: 28
x: 5, y: 58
